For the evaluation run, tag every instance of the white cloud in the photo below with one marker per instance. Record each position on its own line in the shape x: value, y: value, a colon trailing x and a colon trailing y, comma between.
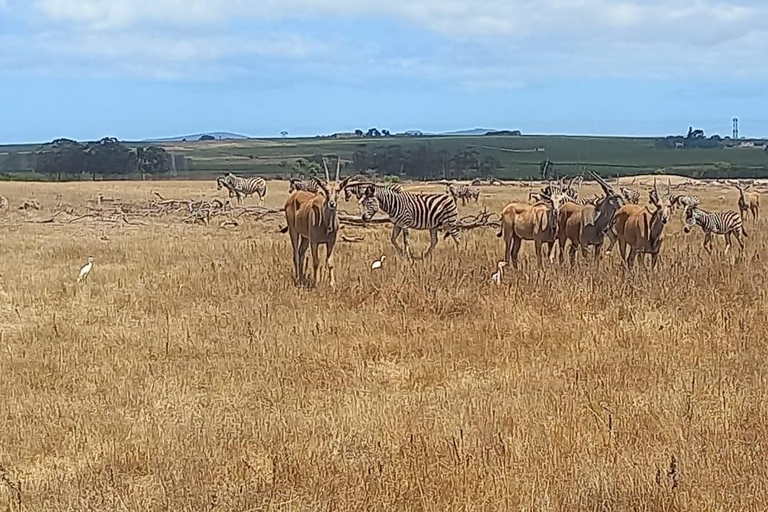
x: 499, y: 41
x: 456, y: 18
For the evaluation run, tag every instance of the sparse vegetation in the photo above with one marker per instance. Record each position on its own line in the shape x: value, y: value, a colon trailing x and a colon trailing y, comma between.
x: 189, y: 373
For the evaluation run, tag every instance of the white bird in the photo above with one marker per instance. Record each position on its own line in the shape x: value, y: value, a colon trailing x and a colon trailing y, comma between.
x: 378, y: 263
x: 85, y: 270
x: 496, y: 278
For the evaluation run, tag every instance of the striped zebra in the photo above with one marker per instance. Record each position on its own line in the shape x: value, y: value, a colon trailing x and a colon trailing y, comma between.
x: 686, y: 202
x: 244, y: 187
x: 630, y: 196
x: 581, y: 200
x: 468, y: 192
x: 465, y: 193
x: 358, y: 189
x: 305, y: 185
x: 719, y: 223
x: 221, y: 182
x: 413, y: 211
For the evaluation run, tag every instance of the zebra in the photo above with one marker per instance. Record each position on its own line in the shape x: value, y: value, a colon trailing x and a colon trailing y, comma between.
x: 630, y: 196
x: 413, y: 211
x: 686, y: 202
x: 583, y: 201
x: 718, y: 223
x: 244, y: 187
x: 468, y: 192
x: 221, y: 181
x: 358, y: 189
x: 465, y: 193
x: 306, y: 186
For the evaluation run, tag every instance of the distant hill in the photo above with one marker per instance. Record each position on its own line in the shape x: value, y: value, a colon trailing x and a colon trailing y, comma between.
x: 196, y: 136
x: 475, y: 131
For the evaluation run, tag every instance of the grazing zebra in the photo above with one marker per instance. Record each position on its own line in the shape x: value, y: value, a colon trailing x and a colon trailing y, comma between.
x: 465, y: 193
x: 244, y: 187
x: 413, y: 211
x: 221, y: 181
x: 306, y: 186
x: 719, y: 223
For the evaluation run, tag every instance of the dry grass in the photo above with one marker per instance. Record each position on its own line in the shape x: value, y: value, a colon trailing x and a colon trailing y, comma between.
x: 190, y: 374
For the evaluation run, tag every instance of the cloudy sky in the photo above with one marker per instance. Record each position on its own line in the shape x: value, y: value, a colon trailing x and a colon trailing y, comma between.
x: 148, y: 68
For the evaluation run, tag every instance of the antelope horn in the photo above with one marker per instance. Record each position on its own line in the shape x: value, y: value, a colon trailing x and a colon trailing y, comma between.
x: 654, y: 187
x: 338, y: 167
x: 669, y: 187
x: 605, y: 186
x: 327, y: 175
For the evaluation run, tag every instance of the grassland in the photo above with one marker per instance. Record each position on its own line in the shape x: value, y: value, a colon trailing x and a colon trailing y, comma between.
x: 517, y: 155
x: 190, y: 374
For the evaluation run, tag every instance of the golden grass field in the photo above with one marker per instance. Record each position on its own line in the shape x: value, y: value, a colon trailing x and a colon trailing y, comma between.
x: 189, y: 373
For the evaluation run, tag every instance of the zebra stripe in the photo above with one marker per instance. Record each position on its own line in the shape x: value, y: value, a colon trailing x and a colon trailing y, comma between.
x: 413, y: 211
x: 306, y: 186
x: 581, y: 200
x: 244, y: 187
x: 359, y: 189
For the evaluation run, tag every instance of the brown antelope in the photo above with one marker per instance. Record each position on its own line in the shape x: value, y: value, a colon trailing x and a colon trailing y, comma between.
x: 586, y: 224
x: 521, y: 221
x: 749, y: 202
x: 536, y: 222
x: 642, y: 229
x: 312, y: 222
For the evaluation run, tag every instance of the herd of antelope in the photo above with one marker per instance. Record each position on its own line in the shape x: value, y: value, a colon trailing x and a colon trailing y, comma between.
x: 554, y: 216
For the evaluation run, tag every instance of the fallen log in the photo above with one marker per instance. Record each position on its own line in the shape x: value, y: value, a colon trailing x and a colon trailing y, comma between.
x: 44, y: 221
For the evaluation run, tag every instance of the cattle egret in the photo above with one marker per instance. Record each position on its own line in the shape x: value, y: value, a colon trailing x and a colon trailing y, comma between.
x: 496, y: 278
x: 378, y: 264
x: 85, y: 270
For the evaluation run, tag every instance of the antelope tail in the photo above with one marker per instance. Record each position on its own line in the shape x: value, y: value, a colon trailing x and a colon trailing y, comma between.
x: 744, y: 232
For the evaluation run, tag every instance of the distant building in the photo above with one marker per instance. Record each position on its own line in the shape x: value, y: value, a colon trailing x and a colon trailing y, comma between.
x: 345, y: 135
x: 414, y: 133
x: 679, y: 145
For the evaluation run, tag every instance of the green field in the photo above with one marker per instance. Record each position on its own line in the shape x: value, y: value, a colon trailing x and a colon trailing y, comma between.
x: 517, y: 155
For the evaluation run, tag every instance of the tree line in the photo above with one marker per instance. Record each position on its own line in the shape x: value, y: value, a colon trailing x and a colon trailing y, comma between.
x: 105, y: 158
x: 423, y: 162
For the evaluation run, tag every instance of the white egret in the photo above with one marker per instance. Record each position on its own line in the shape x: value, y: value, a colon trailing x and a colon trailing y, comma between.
x: 378, y: 263
x: 496, y: 278
x: 85, y: 270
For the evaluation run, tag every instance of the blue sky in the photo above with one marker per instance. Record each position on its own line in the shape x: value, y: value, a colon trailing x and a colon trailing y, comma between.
x: 136, y: 69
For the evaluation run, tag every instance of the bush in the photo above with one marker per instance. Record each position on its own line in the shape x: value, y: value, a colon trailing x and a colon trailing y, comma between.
x: 392, y: 179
